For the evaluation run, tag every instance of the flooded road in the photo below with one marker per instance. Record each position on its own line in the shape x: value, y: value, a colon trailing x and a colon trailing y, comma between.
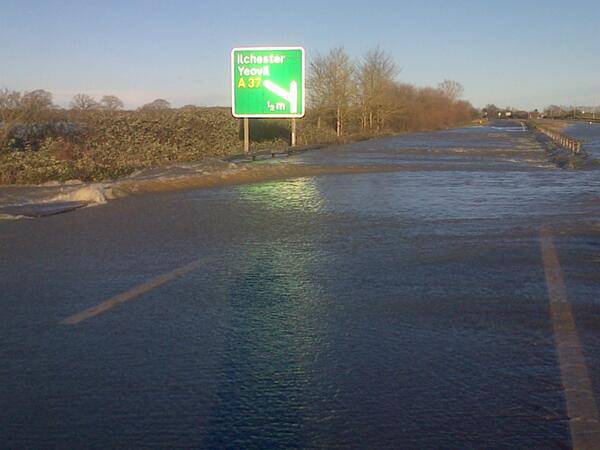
x: 407, y: 307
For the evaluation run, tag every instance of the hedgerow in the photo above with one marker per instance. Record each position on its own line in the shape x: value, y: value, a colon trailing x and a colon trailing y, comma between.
x: 98, y: 145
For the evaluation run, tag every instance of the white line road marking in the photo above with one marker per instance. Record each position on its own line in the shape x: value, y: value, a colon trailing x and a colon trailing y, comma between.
x: 132, y: 294
x: 584, y: 422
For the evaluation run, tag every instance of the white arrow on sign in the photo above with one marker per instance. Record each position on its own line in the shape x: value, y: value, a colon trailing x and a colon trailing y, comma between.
x: 291, y: 96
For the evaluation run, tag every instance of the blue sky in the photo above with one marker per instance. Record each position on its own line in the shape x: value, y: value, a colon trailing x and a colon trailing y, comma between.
x: 523, y: 54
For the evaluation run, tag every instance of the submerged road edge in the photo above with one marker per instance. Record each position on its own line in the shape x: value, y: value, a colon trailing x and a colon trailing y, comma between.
x: 582, y: 409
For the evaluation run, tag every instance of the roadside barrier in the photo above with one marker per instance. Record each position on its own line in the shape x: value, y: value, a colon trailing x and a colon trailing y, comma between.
x: 558, y: 138
x: 265, y: 154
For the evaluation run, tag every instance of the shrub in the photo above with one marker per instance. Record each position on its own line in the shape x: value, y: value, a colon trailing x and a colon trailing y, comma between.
x: 30, y: 136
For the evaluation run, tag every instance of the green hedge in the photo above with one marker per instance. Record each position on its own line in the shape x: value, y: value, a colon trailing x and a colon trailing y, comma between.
x: 117, y: 143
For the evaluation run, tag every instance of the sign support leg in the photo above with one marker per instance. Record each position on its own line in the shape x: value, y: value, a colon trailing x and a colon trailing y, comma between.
x: 246, y: 135
x: 293, y: 131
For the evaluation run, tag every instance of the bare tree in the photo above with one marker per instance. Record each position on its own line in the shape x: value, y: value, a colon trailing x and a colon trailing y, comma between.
x: 9, y: 99
x: 84, y: 102
x: 376, y: 77
x: 332, y: 84
x: 554, y: 111
x: 317, y: 85
x: 190, y: 107
x: 490, y: 110
x: 37, y: 99
x: 111, y: 103
x: 452, y: 89
x: 157, y: 104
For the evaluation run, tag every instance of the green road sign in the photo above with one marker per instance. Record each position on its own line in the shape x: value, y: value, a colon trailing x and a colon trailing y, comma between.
x: 267, y: 82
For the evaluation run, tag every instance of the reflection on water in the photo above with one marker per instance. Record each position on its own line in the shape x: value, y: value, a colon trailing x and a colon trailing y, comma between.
x: 298, y: 193
x: 276, y: 311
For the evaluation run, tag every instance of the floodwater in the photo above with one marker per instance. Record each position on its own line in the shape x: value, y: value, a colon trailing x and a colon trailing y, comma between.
x: 589, y: 133
x: 405, y: 308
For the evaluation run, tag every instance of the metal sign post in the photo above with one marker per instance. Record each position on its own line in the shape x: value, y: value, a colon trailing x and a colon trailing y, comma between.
x: 246, y: 135
x: 293, y: 132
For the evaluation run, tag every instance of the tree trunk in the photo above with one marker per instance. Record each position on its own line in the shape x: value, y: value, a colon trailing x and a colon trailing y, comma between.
x: 363, y: 121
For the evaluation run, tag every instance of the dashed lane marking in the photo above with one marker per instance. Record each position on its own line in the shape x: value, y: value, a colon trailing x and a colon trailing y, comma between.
x: 132, y: 294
